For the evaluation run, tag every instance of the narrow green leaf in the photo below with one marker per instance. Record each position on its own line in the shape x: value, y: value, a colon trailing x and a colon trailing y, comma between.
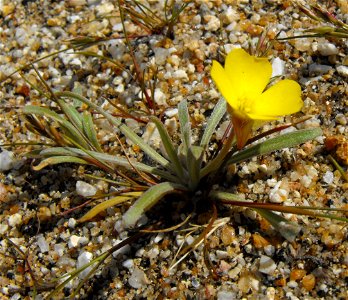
x: 149, y: 199
x: 118, y: 161
x: 58, y: 160
x: 215, y: 118
x: 124, y: 128
x: 169, y: 147
x: 194, y: 161
x: 185, y: 125
x: 72, y: 114
x: 89, y: 130
x: 286, y: 140
x: 289, y: 230
x: 69, y: 129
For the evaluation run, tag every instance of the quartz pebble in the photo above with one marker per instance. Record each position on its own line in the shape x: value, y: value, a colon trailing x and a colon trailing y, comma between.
x: 328, y: 177
x: 267, y: 265
x: 278, y: 67
x: 138, y: 279
x: 42, y: 243
x: 83, y: 259
x: 14, y: 220
x: 7, y: 160
x: 342, y: 70
x: 85, y: 189
x: 327, y: 49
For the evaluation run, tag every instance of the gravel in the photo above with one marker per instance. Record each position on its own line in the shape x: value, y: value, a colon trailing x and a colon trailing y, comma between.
x: 40, y: 209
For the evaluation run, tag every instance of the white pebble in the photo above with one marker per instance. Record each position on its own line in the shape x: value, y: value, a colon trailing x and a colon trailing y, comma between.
x: 226, y: 295
x: 180, y: 74
x: 328, y: 177
x: 3, y: 228
x: 59, y: 249
x: 267, y: 265
x: 171, y: 112
x: 129, y: 264
x: 213, y: 23
x: 74, y: 241
x: 269, y: 250
x: 160, y: 97
x: 85, y: 189
x: 342, y: 70
x: 14, y: 220
x: 327, y: 49
x: 7, y: 160
x: 278, y: 67
x: 42, y: 243
x: 83, y: 259
x: 277, y: 195
x: 72, y: 223
x: 138, y: 279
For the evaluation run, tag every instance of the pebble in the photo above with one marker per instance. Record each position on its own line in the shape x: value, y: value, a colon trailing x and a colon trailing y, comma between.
x: 3, y: 228
x: 226, y: 295
x: 15, y: 219
x: 160, y: 97
x: 278, y: 67
x: 342, y: 70
x: 85, y: 189
x: 327, y: 49
x: 83, y: 259
x: 267, y: 265
x: 75, y: 241
x: 317, y: 69
x: 138, y: 279
x: 7, y: 160
x: 278, y: 195
x: 328, y: 177
x: 42, y: 243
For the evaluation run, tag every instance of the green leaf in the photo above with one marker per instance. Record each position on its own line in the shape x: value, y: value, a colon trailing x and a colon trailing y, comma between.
x: 58, y: 160
x: 286, y: 140
x: 169, y: 147
x: 289, y: 230
x: 69, y: 129
x: 72, y: 114
x: 124, y: 128
x: 149, y: 199
x: 89, y: 130
x: 118, y: 161
x: 194, y: 161
x: 215, y: 118
x: 185, y: 125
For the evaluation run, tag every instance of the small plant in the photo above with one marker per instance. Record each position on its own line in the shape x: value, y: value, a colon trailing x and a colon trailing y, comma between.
x: 250, y: 98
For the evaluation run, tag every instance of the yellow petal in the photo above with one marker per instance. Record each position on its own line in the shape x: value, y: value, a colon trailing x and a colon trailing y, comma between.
x: 223, y: 83
x: 283, y: 98
x: 248, y: 75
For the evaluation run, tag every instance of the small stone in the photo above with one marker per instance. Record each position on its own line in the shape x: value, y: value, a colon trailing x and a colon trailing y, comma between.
x: 83, y: 259
x: 138, y: 279
x: 317, y: 69
x: 180, y: 74
x: 226, y: 295
x: 74, y: 241
x: 7, y: 160
x: 3, y: 193
x: 328, y: 177
x: 74, y: 3
x: 72, y: 223
x: 3, y: 228
x: 259, y: 241
x: 342, y: 70
x: 327, y: 49
x: 297, y: 274
x: 14, y: 220
x: 42, y: 243
x: 213, y: 23
x: 8, y: 9
x: 278, y: 67
x: 44, y: 213
x: 267, y: 265
x: 160, y: 97
x: 228, y: 235
x: 308, y: 282
x: 85, y: 189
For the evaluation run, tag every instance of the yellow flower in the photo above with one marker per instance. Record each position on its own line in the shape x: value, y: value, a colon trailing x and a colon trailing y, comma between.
x: 242, y: 83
